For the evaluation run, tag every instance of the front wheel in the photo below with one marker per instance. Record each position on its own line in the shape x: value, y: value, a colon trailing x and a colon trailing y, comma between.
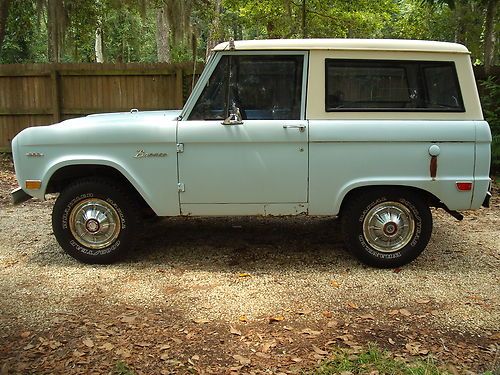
x: 386, y: 228
x: 94, y: 220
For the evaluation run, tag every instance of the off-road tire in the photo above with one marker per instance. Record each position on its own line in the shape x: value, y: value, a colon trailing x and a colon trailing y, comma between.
x: 91, y: 208
x: 361, y: 227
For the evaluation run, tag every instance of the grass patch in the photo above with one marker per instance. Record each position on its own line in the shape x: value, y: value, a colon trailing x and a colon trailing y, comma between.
x: 376, y: 360
x: 121, y: 368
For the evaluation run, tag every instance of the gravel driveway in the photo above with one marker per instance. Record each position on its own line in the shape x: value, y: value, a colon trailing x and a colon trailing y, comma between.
x: 216, y: 295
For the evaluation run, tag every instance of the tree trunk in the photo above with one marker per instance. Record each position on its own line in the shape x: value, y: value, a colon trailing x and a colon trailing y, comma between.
x: 304, y: 21
x: 4, y: 12
x: 214, y: 34
x: 99, y: 56
x: 489, y: 36
x: 162, y: 35
x: 54, y: 31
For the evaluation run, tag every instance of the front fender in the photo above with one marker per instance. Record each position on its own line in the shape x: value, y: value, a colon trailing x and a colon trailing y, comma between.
x: 155, y: 179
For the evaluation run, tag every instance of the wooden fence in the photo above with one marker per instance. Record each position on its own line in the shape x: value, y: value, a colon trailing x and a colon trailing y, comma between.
x: 41, y: 94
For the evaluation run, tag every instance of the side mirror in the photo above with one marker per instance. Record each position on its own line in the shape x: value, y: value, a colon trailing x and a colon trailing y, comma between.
x: 234, y: 117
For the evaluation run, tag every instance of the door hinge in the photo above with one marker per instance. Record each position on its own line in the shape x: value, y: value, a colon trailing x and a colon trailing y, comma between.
x: 180, y: 147
x: 180, y: 187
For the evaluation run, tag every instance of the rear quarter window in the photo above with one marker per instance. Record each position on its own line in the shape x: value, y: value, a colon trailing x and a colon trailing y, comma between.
x: 387, y: 85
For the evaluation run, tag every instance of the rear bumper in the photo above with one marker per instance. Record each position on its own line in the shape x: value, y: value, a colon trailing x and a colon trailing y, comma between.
x: 19, y: 196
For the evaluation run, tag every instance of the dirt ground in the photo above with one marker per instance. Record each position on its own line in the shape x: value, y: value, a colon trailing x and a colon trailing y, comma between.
x: 242, y: 295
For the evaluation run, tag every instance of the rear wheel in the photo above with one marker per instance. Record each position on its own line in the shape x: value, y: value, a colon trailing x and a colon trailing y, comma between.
x: 94, y: 220
x: 386, y: 228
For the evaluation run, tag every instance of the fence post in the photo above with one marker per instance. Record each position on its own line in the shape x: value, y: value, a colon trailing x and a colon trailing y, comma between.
x: 56, y: 99
x: 179, y: 89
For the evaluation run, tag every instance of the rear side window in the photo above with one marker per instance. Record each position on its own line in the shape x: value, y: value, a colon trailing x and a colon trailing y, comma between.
x: 387, y: 85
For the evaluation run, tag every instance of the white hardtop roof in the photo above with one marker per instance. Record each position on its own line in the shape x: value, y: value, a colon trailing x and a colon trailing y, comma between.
x: 345, y: 44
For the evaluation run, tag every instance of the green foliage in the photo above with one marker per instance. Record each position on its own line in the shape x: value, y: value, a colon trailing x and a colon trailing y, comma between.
x: 375, y: 359
x: 490, y: 100
x: 129, y: 26
x: 121, y: 368
x: 24, y: 38
x: 128, y: 37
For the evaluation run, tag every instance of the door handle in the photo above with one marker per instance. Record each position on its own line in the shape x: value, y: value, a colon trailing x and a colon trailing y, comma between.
x: 302, y: 128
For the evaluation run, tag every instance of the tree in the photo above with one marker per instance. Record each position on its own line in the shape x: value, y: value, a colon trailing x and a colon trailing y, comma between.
x: 490, y: 34
x: 163, y: 34
x: 57, y: 22
x: 4, y: 12
x: 487, y: 10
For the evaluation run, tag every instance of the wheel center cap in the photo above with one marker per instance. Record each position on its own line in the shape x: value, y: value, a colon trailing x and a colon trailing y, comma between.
x: 92, y: 225
x: 390, y: 228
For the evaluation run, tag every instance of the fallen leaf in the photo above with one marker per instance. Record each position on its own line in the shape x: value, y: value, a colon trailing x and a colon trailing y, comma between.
x: 25, y: 334
x: 76, y: 353
x: 319, y: 351
x: 309, y: 331
x: 164, y: 356
x: 28, y: 347
x: 195, y: 357
x: 352, y: 305
x: 334, y: 283
x: 394, y: 312
x: 244, y: 274
x: 242, y: 360
x: 201, y: 321
x: 165, y: 347
x: 262, y: 355
x: 54, y: 344
x: 235, y: 368
x: 235, y: 331
x: 414, y: 348
x: 266, y: 347
x: 391, y: 341
x: 296, y: 359
x: 332, y: 323
x: 124, y: 353
x: 423, y: 301
x: 243, y: 319
x: 142, y: 344
x: 276, y: 318
x: 367, y: 316
x: 176, y: 340
x: 327, y: 314
x: 88, y: 343
x: 128, y: 319
x: 107, y: 346
x: 404, y: 312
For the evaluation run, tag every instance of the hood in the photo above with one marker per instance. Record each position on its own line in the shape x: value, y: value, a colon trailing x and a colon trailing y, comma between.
x: 102, y: 128
x: 168, y: 115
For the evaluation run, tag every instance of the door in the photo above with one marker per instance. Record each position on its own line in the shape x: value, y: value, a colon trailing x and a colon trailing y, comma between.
x: 245, y: 140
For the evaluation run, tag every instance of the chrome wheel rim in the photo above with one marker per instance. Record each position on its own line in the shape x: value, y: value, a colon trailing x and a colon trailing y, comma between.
x: 94, y: 223
x: 388, y: 227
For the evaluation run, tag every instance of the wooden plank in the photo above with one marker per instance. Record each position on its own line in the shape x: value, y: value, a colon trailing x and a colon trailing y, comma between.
x: 56, y: 99
x: 179, y: 77
x: 25, y: 111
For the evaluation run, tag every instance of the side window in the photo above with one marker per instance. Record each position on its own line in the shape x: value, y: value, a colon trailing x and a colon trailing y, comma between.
x: 263, y: 87
x: 386, y: 85
x: 442, y: 86
x: 211, y: 104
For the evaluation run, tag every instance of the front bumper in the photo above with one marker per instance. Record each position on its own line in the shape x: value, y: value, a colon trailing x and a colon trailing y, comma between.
x: 19, y: 196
